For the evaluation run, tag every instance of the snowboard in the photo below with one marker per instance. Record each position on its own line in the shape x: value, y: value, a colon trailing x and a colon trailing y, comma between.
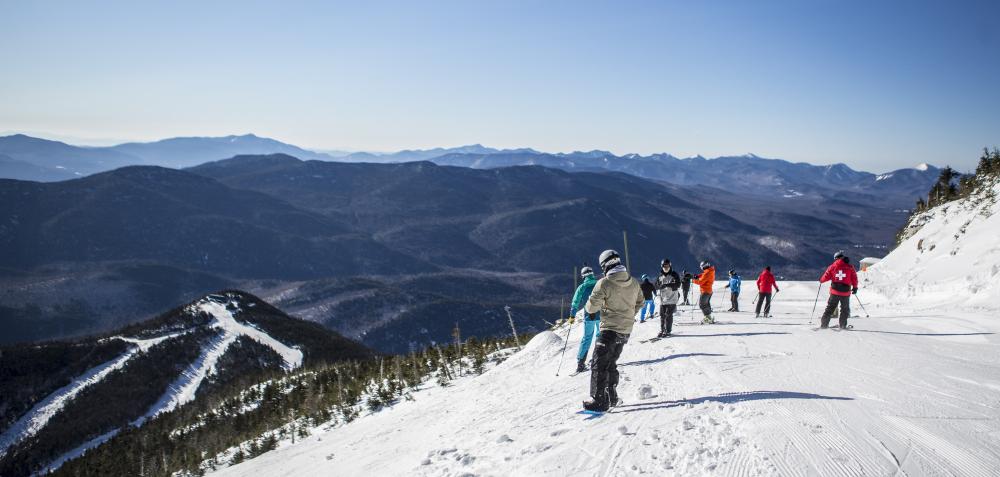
x: 834, y: 328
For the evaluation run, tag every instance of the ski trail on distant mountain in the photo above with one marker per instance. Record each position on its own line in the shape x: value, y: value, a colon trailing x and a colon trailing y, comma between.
x: 35, y: 419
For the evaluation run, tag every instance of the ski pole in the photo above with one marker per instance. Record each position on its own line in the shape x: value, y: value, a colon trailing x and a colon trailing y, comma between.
x: 565, y: 343
x: 813, y: 314
x: 862, y: 306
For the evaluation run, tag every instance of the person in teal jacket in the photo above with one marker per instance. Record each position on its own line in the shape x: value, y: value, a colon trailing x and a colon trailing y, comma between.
x: 734, y: 289
x: 591, y: 322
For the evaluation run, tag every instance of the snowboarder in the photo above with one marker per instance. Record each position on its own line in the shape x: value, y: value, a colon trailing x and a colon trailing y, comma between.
x: 705, y: 280
x: 764, y: 284
x: 734, y: 289
x: 843, y: 283
x: 647, y: 294
x: 618, y: 298
x: 666, y: 289
x: 590, y: 320
x: 686, y: 286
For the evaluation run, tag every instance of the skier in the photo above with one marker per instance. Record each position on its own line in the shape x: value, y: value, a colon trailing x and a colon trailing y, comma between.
x: 647, y: 294
x: 734, y: 289
x: 843, y: 282
x: 686, y: 286
x: 764, y: 284
x: 666, y: 285
x: 618, y: 298
x: 590, y: 320
x: 705, y: 280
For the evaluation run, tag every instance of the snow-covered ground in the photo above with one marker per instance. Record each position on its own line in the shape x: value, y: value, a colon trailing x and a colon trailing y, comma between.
x: 914, y: 393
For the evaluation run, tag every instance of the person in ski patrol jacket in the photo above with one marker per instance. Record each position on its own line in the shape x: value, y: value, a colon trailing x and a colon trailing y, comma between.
x: 666, y: 290
x: 765, y: 282
x: 705, y: 281
x: 590, y: 320
x: 843, y: 282
x: 618, y: 298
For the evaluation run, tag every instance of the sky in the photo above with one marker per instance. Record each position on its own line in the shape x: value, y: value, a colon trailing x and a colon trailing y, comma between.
x: 876, y: 85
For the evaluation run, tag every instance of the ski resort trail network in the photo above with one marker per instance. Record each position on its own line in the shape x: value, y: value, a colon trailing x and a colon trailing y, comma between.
x: 903, y: 393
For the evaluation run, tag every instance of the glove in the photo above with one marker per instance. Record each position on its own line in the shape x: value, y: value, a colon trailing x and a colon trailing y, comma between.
x: 854, y: 292
x: 571, y: 319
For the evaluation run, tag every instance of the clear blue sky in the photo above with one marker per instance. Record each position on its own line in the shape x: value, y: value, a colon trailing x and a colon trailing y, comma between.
x: 874, y: 84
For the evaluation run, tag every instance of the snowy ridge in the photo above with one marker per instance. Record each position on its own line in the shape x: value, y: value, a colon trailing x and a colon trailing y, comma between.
x: 32, y: 421
x: 902, y: 394
x: 952, y: 256
x: 179, y: 392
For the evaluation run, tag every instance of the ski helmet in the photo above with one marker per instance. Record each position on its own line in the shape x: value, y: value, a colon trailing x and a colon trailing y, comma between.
x: 645, y: 277
x: 839, y: 254
x: 705, y: 264
x: 664, y: 262
x: 732, y: 272
x: 586, y: 272
x: 609, y: 259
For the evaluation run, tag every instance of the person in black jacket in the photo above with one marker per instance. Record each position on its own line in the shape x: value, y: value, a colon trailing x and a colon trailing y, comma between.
x: 686, y: 286
x: 666, y: 290
x: 647, y: 294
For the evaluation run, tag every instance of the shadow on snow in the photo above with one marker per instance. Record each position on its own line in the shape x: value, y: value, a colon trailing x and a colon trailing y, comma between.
x: 667, y: 358
x: 754, y: 333
x: 727, y: 398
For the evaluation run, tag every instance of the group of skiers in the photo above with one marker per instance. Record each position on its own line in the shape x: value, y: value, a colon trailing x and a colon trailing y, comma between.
x: 610, y: 305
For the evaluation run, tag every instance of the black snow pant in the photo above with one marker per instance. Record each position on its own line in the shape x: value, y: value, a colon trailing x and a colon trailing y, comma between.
x: 686, y: 302
x: 831, y: 305
x: 667, y: 318
x: 736, y: 301
x: 761, y: 298
x: 604, y: 371
x: 705, y: 303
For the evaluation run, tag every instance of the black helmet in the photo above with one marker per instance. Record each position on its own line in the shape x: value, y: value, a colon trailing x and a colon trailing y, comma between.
x: 732, y: 272
x: 609, y: 259
x: 586, y: 271
x: 665, y: 261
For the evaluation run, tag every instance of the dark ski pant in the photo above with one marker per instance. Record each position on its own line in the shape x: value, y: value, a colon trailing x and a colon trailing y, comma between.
x: 667, y: 317
x: 831, y: 305
x: 736, y: 301
x: 761, y: 298
x: 686, y: 290
x: 604, y: 371
x: 705, y: 303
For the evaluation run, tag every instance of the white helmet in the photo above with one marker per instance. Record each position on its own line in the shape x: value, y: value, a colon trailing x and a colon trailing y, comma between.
x: 586, y: 271
x: 609, y: 259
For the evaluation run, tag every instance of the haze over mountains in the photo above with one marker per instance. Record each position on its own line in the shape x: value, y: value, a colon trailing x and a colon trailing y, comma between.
x: 27, y: 158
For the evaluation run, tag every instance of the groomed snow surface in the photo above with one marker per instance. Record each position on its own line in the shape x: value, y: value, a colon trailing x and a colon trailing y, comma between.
x: 903, y: 393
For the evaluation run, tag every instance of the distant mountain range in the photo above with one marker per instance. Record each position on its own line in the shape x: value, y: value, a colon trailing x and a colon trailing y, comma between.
x: 59, y: 399
x: 27, y: 158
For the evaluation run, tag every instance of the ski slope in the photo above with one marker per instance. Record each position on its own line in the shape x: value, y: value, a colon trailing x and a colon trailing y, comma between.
x: 904, y: 393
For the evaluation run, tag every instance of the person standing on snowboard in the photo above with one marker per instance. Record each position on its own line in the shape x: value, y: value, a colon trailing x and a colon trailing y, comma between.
x: 590, y: 321
x: 705, y: 280
x: 647, y: 294
x: 686, y: 286
x: 734, y: 290
x: 843, y: 283
x: 764, y: 284
x: 666, y: 285
x: 617, y: 297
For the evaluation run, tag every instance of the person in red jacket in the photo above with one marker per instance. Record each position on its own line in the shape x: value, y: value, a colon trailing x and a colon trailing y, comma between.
x: 765, y: 282
x: 843, y: 282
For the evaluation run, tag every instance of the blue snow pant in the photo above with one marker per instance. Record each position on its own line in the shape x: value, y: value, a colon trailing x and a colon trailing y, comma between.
x: 590, y: 325
x: 646, y: 306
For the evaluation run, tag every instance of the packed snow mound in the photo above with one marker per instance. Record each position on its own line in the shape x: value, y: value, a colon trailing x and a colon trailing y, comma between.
x: 541, y: 349
x: 951, y: 257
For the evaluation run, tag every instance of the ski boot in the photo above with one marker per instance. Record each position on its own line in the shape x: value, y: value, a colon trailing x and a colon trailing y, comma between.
x: 613, y: 398
x: 581, y: 365
x: 708, y: 320
x: 757, y: 316
x: 662, y: 334
x: 596, y: 405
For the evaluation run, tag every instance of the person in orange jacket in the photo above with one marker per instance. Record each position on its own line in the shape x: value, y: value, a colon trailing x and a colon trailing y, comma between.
x: 843, y: 282
x: 705, y: 281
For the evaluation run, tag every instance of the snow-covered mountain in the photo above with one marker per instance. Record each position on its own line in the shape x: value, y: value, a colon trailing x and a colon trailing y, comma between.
x: 56, y: 410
